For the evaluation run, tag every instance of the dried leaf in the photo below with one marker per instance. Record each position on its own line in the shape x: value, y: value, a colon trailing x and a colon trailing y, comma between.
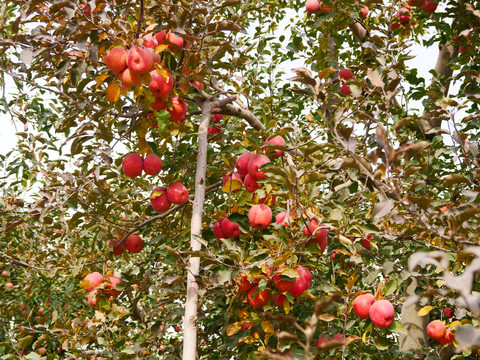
x: 113, y: 92
x: 383, y: 208
x: 375, y: 78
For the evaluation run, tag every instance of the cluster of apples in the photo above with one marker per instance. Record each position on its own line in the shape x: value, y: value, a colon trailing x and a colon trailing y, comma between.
x: 314, y: 6
x: 142, y: 63
x: 97, y: 285
x: 133, y: 165
x: 162, y: 199
x: 438, y: 331
x: 403, y: 14
x: 381, y: 312
x: 295, y: 286
x: 214, y: 130
x: 345, y: 75
x: 133, y: 243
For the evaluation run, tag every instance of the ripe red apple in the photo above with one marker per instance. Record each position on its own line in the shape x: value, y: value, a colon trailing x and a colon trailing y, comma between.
x: 152, y: 164
x: 149, y: 41
x: 155, y: 57
x: 404, y: 15
x: 277, y: 140
x: 161, y: 85
x: 280, y: 299
x: 345, y: 74
x: 260, y: 216
x: 448, y: 312
x: 217, y: 229
x: 216, y: 117
x: 159, y: 200
x: 283, y: 283
x: 255, y: 163
x: 41, y: 351
x: 429, y: 6
x: 260, y: 300
x: 129, y: 78
x: 382, y: 313
x: 312, y: 6
x: 5, y: 273
x: 462, y: 49
x: 92, y: 298
x: 161, y: 36
x: 116, y: 59
x: 364, y: 12
x: 280, y: 219
x: 213, y: 132
x: 320, y: 236
x: 159, y: 104
x: 448, y: 338
x: 242, y: 163
x: 345, y: 89
x: 236, y: 184
x: 120, y: 250
x: 175, y: 40
x: 111, y: 282
x: 250, y: 183
x: 230, y: 228
x: 245, y: 285
x: 394, y: 26
x: 436, y: 329
x: 177, y: 193
x: 134, y: 243
x: 178, y: 110
x: 132, y: 165
x: 362, y: 304
x: 95, y: 279
x: 139, y: 60
x: 306, y: 275
x: 298, y: 287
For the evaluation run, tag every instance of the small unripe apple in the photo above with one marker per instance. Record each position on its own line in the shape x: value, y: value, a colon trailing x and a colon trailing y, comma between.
x: 345, y: 74
x: 277, y: 140
x: 382, y: 314
x: 95, y: 279
x: 362, y: 304
x: 236, y: 181
x: 312, y: 6
x: 436, y: 329
x: 429, y: 6
x: 177, y: 193
x: 345, y: 89
x: 260, y: 300
x: 260, y: 216
x: 132, y: 165
x: 134, y: 243
x: 152, y: 164
x: 112, y: 281
x: 129, y: 78
x: 178, y: 110
x: 161, y: 85
x: 250, y: 183
x: 92, y: 298
x: 230, y: 228
x: 9, y: 285
x: 159, y: 200
x: 149, y: 41
x: 255, y: 163
x: 217, y: 229
x: 116, y: 59
x: 139, y: 60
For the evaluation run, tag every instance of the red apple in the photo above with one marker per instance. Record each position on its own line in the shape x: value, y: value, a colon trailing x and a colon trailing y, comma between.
x: 448, y: 312
x: 255, y: 163
x: 345, y: 89
x: 448, y: 338
x: 429, y: 6
x: 139, y: 60
x: 213, y: 132
x: 129, y: 78
x: 364, y: 12
x: 111, y: 282
x: 120, y: 250
x: 436, y: 329
x: 116, y: 59
x: 132, y: 165
x: 177, y: 193
x: 393, y: 26
x: 250, y: 183
x: 159, y: 200
x: 362, y: 304
x: 312, y: 6
x: 95, y: 279
x: 260, y: 300
x: 236, y: 179
x: 382, y: 314
x: 161, y: 36
x: 159, y: 104
x: 246, y: 285
x: 161, y: 85
x: 92, y: 298
x: 318, y: 236
x: 5, y: 273
x: 345, y: 74
x: 280, y: 299
x: 155, y: 57
x: 306, y: 275
x: 41, y: 351
x: 260, y: 216
x: 152, y: 164
x: 298, y: 287
x: 175, y: 40
x: 230, y: 229
x: 149, y: 41
x: 242, y: 163
x: 134, y: 243
x: 216, y: 117
x: 277, y: 140
x: 404, y: 15
x: 283, y: 283
x: 9, y: 285
x: 178, y: 110
x: 414, y: 2
x: 217, y: 229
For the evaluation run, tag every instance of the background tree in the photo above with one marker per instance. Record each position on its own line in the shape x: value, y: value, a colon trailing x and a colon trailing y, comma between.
x: 379, y: 196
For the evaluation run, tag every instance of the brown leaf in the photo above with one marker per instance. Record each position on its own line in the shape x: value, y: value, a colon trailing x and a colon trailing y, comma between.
x: 375, y: 78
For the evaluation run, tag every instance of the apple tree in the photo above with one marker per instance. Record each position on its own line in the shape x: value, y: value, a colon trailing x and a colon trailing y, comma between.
x: 239, y: 180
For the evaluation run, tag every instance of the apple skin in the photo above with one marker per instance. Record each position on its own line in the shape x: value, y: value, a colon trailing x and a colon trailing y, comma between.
x: 306, y: 275
x: 345, y: 74
x: 5, y: 273
x: 159, y: 86
x: 362, y: 304
x: 177, y: 193
x: 159, y: 104
x: 213, y: 132
x: 448, y: 338
x: 120, y: 250
x: 345, y: 89
x: 134, y: 243
x: 175, y: 40
x: 277, y: 140
x: 160, y: 37
x: 230, y: 228
x: 235, y: 176
x: 255, y: 163
x: 95, y: 279
x: 283, y: 284
x: 149, y: 41
x: 116, y: 59
x: 436, y: 329
x: 250, y: 183
x: 280, y: 299
x: 129, y: 78
x: 312, y: 6
x: 92, y: 298
x: 298, y: 287
x: 448, y: 312
x: 260, y: 300
x: 41, y: 351
x: 152, y: 164
x: 242, y: 163
x: 178, y: 110
x: 245, y: 285
x: 429, y: 6
x: 404, y: 16
x: 319, y: 237
x: 159, y: 200
x: 112, y: 281
x: 132, y: 165
x: 217, y: 229
x: 9, y: 285
x: 364, y: 12
x: 260, y: 216
x: 139, y: 60
x: 382, y: 314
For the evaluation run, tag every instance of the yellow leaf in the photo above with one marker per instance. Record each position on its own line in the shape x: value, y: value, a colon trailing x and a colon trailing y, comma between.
x: 326, y: 72
x: 184, y: 87
x: 365, y: 339
x: 234, y: 328
x: 267, y: 327
x: 101, y: 79
x: 425, y: 310
x: 326, y: 317
x: 113, y: 91
x: 161, y: 48
x: 286, y: 306
x: 236, y: 185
